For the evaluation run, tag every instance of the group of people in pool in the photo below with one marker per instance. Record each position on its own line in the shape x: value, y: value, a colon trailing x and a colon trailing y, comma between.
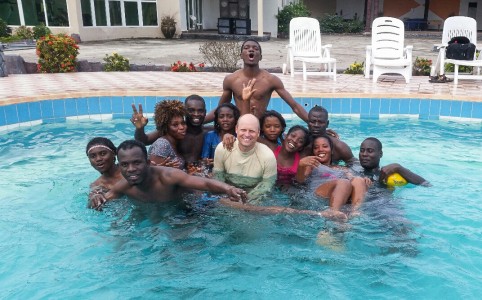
x: 243, y: 156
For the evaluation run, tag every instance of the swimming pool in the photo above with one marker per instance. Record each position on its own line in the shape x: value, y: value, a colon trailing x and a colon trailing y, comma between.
x: 418, y: 242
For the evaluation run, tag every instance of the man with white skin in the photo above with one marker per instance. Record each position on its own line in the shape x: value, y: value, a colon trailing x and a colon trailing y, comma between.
x: 250, y: 164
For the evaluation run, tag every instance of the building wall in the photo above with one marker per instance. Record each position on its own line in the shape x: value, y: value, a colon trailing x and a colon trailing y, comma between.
x: 319, y: 8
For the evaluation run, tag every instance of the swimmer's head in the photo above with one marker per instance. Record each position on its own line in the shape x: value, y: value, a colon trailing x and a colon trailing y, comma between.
x: 133, y: 162
x: 130, y: 144
x: 318, y: 120
x: 195, y: 110
x: 223, y: 109
x: 370, y: 153
x: 323, y: 148
x: 272, y: 125
x: 165, y: 111
x: 305, y: 131
x: 100, y: 142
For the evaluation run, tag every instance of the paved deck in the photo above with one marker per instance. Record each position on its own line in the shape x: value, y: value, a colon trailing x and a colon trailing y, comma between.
x: 34, y: 87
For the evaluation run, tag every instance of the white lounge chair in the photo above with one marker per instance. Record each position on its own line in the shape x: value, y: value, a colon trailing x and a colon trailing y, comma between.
x: 387, y: 53
x: 454, y: 27
x: 305, y: 46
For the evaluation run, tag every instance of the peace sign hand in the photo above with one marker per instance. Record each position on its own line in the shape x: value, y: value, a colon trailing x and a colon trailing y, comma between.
x: 138, y: 118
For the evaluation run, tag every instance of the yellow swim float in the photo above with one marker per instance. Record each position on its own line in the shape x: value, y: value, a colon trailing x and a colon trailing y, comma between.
x: 396, y: 180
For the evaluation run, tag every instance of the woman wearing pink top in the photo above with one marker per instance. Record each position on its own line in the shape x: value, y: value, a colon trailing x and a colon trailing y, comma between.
x: 288, y: 154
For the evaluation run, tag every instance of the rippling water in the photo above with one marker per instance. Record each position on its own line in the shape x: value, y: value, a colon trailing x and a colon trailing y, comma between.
x: 413, y: 243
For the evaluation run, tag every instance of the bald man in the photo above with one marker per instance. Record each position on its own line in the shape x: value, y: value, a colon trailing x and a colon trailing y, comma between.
x: 250, y: 165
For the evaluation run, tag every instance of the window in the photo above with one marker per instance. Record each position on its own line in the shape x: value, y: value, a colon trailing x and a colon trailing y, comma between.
x: 100, y: 13
x: 119, y: 12
x: 57, y: 13
x: 132, y: 15
x: 115, y: 13
x: 86, y: 13
x: 149, y: 14
x: 9, y: 12
x: 33, y: 12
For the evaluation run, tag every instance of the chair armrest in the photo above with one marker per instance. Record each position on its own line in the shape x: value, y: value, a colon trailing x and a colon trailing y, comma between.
x: 327, y: 46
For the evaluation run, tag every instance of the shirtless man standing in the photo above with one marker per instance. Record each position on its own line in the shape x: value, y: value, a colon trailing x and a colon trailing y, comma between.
x: 191, y: 146
x: 256, y: 84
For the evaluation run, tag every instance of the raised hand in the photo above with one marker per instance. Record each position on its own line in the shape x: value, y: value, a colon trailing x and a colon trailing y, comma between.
x: 248, y: 90
x: 138, y: 118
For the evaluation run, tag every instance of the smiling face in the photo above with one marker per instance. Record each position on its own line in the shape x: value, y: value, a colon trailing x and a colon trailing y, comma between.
x: 317, y: 123
x: 196, y: 112
x: 133, y: 164
x: 295, y: 141
x: 322, y: 149
x: 101, y: 158
x: 370, y: 154
x: 272, y: 128
x: 226, y: 119
x: 247, y: 131
x: 177, y: 128
x: 251, y: 53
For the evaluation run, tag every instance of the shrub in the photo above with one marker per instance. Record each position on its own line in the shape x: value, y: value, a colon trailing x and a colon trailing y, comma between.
x: 40, y: 31
x: 422, y: 66
x: 4, y: 29
x: 289, y: 12
x: 355, y: 68
x: 222, y: 56
x: 116, y: 62
x: 56, y: 54
x: 336, y: 24
x: 185, y: 67
x: 24, y: 32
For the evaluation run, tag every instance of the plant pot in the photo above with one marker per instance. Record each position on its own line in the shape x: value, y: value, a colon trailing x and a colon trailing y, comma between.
x: 168, y: 31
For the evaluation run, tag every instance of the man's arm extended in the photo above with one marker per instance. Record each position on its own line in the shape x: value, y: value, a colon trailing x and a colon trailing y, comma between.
x: 286, y: 96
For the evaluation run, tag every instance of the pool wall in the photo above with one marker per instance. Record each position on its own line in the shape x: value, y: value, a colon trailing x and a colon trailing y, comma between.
x: 107, y: 107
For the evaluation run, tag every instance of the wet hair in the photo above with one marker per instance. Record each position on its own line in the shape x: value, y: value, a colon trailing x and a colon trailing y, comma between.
x: 130, y: 144
x: 317, y: 109
x: 273, y: 113
x: 102, y: 141
x: 324, y: 136
x: 236, y: 113
x: 165, y: 111
x: 305, y: 130
x: 251, y: 40
x: 194, y: 97
x: 376, y: 141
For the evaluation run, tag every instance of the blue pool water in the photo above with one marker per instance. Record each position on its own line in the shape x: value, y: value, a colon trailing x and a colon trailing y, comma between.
x: 415, y: 243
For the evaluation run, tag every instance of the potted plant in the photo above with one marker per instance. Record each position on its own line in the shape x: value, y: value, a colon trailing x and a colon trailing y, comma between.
x: 168, y: 26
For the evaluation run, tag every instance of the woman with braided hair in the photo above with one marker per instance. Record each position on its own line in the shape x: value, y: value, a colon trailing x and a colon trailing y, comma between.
x: 169, y: 117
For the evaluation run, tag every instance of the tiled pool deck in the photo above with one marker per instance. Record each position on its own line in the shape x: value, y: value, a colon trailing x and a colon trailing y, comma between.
x: 55, y: 97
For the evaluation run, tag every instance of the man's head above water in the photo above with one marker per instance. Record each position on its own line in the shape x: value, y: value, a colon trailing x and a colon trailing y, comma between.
x: 318, y: 120
x: 370, y: 153
x: 195, y: 110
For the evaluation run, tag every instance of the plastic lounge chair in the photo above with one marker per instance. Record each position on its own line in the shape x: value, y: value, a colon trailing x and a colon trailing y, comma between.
x: 455, y: 27
x: 387, y: 53
x: 305, y: 46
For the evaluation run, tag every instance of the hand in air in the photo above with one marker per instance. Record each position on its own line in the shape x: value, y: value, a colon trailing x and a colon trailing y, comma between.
x: 138, y: 118
x: 237, y: 195
x: 228, y: 141
x: 248, y: 90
